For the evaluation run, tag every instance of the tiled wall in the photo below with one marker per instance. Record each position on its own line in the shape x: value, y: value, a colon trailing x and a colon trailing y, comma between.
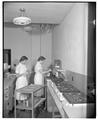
x: 80, y: 81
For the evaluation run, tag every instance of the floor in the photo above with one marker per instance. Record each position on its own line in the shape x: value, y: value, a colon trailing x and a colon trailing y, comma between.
x: 27, y: 114
x: 40, y: 112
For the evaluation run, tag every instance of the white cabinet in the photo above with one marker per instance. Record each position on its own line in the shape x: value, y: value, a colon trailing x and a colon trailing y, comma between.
x: 8, y: 96
x: 54, y: 103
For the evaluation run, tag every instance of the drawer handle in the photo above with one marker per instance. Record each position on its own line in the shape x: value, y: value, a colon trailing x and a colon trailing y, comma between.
x: 6, y: 96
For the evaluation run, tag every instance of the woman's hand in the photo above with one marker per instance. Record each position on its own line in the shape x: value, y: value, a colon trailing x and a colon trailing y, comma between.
x: 25, y: 74
x: 49, y: 70
x: 19, y: 75
x: 45, y: 72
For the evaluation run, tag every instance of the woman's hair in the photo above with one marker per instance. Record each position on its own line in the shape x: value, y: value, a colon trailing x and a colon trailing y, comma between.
x: 41, y: 58
x: 23, y: 58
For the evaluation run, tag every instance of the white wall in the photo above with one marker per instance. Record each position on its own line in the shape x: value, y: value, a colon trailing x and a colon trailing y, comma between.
x: 27, y: 43
x: 19, y: 42
x: 42, y: 46
x: 70, y: 40
x: 46, y: 49
x: 35, y: 47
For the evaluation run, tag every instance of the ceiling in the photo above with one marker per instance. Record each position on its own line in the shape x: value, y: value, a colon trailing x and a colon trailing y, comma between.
x: 52, y: 13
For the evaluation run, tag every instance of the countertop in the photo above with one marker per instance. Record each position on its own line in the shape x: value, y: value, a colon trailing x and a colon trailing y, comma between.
x: 71, y: 93
x: 9, y: 80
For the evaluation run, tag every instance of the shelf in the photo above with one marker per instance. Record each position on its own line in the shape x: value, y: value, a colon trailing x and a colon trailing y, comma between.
x: 30, y: 88
x: 36, y: 103
x: 42, y: 99
x: 22, y: 107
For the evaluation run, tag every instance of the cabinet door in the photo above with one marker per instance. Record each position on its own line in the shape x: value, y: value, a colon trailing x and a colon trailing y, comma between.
x: 11, y: 96
x: 5, y: 108
x: 6, y: 94
x: 50, y: 103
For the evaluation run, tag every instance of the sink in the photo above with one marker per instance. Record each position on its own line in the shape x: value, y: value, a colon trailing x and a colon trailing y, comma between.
x: 72, y: 94
x: 67, y: 89
x: 75, y: 97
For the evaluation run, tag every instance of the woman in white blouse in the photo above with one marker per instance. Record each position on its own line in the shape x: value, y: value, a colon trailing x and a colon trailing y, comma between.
x: 39, y: 73
x: 21, y: 73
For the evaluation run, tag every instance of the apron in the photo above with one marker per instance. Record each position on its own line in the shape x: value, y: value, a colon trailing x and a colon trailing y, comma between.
x: 38, y: 78
x: 21, y: 81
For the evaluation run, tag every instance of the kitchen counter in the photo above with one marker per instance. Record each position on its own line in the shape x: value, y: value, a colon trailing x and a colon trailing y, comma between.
x: 8, y: 81
x: 71, y: 100
x: 8, y: 93
x: 70, y: 92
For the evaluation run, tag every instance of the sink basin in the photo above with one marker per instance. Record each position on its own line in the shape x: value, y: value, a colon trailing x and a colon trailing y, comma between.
x: 67, y: 89
x: 71, y: 93
x: 75, y: 97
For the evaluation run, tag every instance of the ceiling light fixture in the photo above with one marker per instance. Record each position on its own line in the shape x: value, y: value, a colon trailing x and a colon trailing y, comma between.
x: 22, y: 20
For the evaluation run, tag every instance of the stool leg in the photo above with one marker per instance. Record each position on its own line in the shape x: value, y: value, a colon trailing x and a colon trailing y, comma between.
x: 52, y: 112
x: 46, y: 98
x: 15, y: 105
x: 53, y: 109
x: 32, y: 106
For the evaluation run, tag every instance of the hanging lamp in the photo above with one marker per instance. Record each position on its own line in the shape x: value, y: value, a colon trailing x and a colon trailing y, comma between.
x: 22, y: 19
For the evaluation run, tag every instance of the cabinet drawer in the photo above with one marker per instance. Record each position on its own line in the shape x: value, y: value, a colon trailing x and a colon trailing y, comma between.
x: 6, y: 90
x: 6, y: 96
